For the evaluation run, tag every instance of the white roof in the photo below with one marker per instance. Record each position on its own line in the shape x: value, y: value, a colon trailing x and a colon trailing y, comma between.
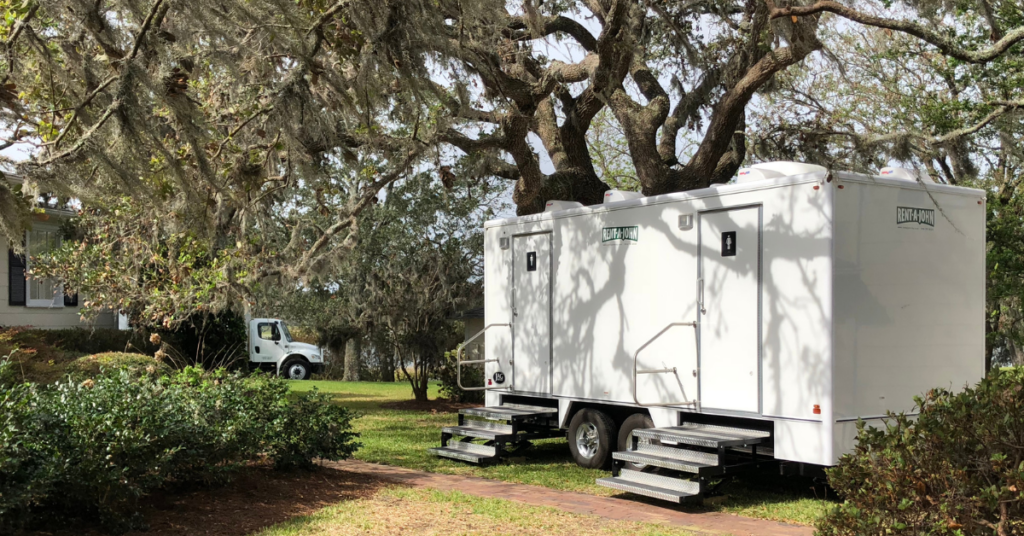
x: 716, y: 190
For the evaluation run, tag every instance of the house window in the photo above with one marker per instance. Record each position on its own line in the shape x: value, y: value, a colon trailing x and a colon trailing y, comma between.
x: 16, y: 291
x: 42, y: 292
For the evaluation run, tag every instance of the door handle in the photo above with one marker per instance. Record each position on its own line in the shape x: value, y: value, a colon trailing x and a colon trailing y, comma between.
x: 700, y: 295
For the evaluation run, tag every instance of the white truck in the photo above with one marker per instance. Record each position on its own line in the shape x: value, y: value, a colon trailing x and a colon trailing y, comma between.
x: 273, y: 349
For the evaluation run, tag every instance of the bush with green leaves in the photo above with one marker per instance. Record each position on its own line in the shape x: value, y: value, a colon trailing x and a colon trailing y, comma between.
x: 957, y: 468
x: 95, y: 448
x: 472, y: 375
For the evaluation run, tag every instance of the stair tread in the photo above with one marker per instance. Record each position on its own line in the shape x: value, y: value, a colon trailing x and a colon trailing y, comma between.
x: 458, y: 454
x: 660, y: 461
x: 508, y: 412
x: 482, y: 433
x: 646, y: 490
x: 705, y: 435
x: 681, y: 454
x: 466, y: 446
x: 661, y: 481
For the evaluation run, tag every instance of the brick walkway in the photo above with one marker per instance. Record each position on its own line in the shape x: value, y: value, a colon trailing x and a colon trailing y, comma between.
x: 578, y: 503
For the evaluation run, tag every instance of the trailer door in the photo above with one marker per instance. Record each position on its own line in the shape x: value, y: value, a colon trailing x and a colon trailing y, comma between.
x: 531, y: 312
x: 730, y: 295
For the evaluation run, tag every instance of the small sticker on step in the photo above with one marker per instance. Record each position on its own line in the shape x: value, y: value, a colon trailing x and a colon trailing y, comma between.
x: 729, y: 244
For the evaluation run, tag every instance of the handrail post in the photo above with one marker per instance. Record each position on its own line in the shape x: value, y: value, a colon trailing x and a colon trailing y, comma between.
x: 672, y: 370
x: 459, y: 362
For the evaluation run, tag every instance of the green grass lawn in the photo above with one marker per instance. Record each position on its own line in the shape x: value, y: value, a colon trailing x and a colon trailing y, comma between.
x: 401, y: 438
x: 414, y: 511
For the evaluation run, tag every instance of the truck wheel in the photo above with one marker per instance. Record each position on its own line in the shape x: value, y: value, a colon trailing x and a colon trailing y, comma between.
x: 591, y: 438
x: 634, y: 422
x: 296, y: 369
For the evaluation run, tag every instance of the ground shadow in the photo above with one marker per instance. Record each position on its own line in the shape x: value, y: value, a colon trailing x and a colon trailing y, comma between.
x: 259, y: 498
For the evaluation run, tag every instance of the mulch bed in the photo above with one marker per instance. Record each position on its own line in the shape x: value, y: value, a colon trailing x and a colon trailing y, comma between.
x: 257, y: 499
x: 440, y: 405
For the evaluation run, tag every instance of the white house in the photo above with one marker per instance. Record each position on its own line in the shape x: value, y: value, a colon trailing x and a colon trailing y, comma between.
x: 40, y: 303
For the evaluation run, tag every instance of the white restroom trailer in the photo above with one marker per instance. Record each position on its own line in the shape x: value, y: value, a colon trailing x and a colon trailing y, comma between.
x: 796, y: 302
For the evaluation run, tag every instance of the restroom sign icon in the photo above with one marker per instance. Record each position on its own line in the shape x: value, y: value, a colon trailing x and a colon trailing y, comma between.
x: 729, y: 244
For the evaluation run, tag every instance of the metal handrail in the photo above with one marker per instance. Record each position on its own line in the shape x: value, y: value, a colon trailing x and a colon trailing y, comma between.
x: 459, y: 362
x: 673, y: 370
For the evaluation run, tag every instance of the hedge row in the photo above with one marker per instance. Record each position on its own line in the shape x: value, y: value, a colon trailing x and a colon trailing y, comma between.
x: 93, y: 449
x: 957, y: 469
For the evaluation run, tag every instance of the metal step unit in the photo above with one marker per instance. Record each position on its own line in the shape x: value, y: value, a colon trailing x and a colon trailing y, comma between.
x: 501, y: 428
x: 687, y: 459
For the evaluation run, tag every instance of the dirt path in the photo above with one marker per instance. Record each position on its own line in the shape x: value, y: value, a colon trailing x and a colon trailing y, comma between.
x: 578, y: 503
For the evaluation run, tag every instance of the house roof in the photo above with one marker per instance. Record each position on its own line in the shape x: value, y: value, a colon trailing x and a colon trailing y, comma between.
x: 477, y: 312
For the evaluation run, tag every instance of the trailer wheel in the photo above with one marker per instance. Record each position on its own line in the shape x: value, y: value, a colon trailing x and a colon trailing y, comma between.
x: 634, y: 422
x: 591, y: 438
x: 296, y: 369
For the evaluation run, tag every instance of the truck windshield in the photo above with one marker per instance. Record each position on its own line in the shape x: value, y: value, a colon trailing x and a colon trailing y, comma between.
x: 284, y: 330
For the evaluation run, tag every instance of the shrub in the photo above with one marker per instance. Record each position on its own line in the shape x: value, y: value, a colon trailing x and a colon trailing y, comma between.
x: 87, y: 341
x: 94, y: 448
x: 471, y: 375
x: 958, y: 468
x: 28, y: 463
x: 312, y: 429
x: 92, y: 365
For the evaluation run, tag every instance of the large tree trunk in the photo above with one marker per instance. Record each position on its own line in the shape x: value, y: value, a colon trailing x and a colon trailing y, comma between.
x: 417, y: 377
x: 353, y: 352
x: 387, y: 367
x: 420, y: 383
x: 337, y: 363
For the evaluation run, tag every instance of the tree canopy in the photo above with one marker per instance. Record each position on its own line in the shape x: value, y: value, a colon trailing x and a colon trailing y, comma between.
x: 246, y: 137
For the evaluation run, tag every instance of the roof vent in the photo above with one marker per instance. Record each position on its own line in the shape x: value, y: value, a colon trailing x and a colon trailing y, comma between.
x: 774, y: 170
x: 905, y: 174
x: 612, y: 196
x: 555, y: 205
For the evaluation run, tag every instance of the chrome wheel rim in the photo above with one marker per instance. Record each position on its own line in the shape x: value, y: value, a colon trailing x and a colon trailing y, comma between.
x: 296, y: 372
x: 587, y: 441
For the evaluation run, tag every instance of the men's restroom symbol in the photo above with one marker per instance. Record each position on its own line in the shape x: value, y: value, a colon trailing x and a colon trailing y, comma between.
x: 729, y: 244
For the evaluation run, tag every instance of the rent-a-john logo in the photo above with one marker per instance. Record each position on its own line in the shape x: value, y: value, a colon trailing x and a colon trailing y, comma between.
x: 620, y: 235
x: 920, y: 216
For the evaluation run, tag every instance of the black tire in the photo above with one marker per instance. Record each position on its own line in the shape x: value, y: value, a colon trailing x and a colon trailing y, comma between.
x: 594, y: 431
x: 633, y: 422
x: 296, y: 369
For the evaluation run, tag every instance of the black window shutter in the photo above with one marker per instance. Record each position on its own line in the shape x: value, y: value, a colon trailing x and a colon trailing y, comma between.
x: 16, y: 278
x: 71, y: 301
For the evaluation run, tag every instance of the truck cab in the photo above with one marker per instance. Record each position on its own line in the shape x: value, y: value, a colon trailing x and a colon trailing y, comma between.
x: 273, y: 349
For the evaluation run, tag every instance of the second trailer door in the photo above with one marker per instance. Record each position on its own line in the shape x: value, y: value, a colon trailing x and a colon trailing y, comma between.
x: 730, y: 333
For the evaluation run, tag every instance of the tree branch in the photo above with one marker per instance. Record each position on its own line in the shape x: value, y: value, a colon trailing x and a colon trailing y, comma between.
x: 943, y: 43
x: 13, y: 38
x: 559, y: 24
x: 145, y: 28
x: 85, y: 102
x: 327, y: 15
x: 469, y: 145
x: 368, y: 194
